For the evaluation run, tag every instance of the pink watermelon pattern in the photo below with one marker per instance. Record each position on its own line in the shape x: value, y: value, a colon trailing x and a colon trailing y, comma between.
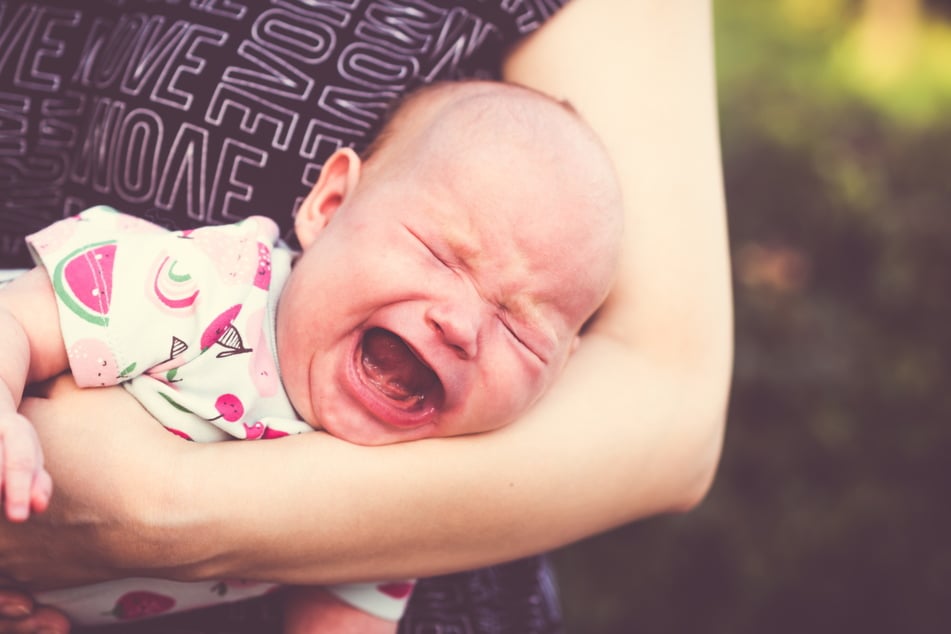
x: 83, y: 281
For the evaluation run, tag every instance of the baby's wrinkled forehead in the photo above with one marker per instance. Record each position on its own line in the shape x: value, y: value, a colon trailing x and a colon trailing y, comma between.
x: 525, y: 162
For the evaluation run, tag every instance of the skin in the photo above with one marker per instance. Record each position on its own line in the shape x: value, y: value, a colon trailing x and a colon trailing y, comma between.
x: 30, y: 354
x: 487, y: 216
x: 632, y: 428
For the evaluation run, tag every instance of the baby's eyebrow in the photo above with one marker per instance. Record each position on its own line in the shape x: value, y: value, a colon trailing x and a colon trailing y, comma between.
x: 462, y: 245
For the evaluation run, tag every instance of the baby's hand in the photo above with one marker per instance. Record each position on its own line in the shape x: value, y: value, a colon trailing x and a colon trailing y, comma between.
x: 26, y: 484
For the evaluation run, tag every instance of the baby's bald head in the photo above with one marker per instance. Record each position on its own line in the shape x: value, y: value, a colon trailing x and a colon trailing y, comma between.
x: 560, y: 186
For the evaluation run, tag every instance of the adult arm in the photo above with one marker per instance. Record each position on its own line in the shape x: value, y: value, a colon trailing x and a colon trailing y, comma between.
x: 632, y: 429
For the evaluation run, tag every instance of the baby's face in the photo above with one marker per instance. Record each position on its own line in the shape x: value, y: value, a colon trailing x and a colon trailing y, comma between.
x: 442, y: 298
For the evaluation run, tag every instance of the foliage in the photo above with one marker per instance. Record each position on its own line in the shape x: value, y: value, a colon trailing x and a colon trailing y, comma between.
x: 829, y: 513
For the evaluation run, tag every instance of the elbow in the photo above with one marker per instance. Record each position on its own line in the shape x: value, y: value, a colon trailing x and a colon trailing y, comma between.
x: 704, y: 459
x: 695, y: 490
x: 715, y: 383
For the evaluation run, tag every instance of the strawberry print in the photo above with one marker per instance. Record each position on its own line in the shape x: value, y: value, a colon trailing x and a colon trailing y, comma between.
x: 397, y: 589
x: 140, y: 604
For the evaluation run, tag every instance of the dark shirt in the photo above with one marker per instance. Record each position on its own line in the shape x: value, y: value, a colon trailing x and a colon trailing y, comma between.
x: 191, y: 112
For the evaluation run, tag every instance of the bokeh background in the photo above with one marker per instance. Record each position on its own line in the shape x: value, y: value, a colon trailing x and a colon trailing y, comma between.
x: 831, y: 512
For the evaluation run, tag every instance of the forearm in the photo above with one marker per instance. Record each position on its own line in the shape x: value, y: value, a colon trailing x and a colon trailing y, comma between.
x: 114, y: 469
x: 313, y: 509
x: 436, y: 506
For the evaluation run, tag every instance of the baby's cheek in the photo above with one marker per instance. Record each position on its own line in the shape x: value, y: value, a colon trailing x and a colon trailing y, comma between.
x: 530, y: 383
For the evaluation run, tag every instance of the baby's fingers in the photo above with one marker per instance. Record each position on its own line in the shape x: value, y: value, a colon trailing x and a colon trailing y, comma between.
x: 21, y: 465
x: 41, y: 491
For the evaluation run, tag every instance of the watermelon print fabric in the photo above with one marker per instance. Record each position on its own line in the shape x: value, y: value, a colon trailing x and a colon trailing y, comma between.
x: 183, y: 320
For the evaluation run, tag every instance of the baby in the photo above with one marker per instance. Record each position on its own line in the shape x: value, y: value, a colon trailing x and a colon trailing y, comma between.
x: 443, y: 280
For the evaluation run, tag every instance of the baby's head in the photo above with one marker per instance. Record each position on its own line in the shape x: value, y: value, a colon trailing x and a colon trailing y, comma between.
x: 446, y: 275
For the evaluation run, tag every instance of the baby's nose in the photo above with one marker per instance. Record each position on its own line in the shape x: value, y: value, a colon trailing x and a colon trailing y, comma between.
x: 457, y: 326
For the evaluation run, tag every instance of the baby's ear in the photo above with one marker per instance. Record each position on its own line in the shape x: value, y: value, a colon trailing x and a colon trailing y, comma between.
x: 338, y: 178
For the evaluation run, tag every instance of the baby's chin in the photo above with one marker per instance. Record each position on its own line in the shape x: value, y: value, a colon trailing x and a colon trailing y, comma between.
x: 357, y: 427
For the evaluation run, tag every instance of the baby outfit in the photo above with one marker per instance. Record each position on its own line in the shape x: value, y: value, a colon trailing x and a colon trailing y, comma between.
x: 185, y: 322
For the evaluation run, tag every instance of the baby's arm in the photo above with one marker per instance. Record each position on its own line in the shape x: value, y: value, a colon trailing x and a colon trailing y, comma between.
x: 33, y: 350
x: 313, y: 609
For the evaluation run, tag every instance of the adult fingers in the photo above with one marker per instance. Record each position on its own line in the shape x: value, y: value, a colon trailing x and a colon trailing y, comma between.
x: 42, y: 621
x: 14, y: 604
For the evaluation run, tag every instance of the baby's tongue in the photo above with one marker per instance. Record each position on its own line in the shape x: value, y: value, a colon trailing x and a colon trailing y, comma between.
x: 394, y: 369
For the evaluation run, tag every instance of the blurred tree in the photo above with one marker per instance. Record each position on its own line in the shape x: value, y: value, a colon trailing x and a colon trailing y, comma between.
x: 829, y: 514
x: 899, y: 60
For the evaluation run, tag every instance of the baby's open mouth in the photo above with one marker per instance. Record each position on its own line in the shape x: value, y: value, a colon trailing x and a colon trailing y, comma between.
x: 395, y: 370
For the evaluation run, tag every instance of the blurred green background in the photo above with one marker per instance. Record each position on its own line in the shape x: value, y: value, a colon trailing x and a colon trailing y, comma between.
x: 830, y: 513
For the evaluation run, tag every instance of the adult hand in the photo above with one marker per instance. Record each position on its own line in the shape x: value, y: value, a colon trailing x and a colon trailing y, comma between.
x: 18, y: 615
x: 68, y: 544
x: 90, y: 523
